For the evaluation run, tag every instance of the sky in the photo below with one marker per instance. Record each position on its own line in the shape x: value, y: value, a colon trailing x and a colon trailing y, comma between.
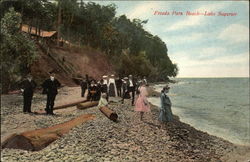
x: 201, y: 45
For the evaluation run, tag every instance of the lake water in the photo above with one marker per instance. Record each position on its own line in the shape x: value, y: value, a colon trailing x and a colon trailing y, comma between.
x: 219, y: 106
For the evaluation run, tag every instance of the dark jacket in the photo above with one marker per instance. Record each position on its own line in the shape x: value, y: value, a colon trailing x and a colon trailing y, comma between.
x: 84, y: 84
x: 50, y: 87
x: 134, y: 83
x: 118, y: 83
x: 28, y: 86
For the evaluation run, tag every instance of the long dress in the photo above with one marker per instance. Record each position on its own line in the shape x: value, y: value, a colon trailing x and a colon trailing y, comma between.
x: 142, y: 104
x: 166, y: 114
x: 112, y: 88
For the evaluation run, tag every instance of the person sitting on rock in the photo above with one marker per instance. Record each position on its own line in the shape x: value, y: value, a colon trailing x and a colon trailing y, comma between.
x: 103, y: 102
x: 166, y: 114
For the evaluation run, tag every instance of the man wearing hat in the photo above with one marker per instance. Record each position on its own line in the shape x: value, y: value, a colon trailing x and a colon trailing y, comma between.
x: 27, y: 88
x: 50, y: 87
x: 104, y: 86
x: 131, y: 86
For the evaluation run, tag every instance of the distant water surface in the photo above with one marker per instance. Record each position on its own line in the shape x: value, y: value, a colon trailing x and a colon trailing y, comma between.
x: 219, y: 106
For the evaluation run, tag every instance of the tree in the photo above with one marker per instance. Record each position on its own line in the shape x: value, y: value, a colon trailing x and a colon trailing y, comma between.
x: 17, y: 50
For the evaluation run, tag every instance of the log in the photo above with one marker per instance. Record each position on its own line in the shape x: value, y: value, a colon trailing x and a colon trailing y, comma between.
x: 38, y: 139
x: 86, y: 105
x: 14, y: 92
x: 109, y: 113
x: 69, y: 104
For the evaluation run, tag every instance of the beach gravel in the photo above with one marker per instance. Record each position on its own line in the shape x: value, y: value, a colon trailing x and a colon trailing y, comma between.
x: 101, y: 139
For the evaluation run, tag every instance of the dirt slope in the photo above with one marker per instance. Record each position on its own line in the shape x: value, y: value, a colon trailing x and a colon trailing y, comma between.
x: 70, y: 62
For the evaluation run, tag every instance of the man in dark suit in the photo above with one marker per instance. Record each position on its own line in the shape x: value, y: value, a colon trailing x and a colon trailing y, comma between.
x: 118, y: 83
x: 92, y: 90
x: 50, y: 87
x: 27, y: 88
x: 84, y: 86
x: 131, y: 87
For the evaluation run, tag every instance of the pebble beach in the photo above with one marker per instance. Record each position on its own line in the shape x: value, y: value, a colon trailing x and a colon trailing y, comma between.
x: 101, y: 139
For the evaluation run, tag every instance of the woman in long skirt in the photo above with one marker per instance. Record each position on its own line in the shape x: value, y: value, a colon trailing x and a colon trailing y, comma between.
x: 142, y: 104
x: 166, y: 114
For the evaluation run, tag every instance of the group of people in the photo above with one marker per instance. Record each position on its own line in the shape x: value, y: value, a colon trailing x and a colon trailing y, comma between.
x: 129, y: 87
x: 113, y: 87
x: 101, y: 91
x: 50, y: 88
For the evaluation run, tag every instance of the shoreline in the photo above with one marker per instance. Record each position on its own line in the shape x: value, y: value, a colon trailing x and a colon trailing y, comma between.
x: 104, y: 140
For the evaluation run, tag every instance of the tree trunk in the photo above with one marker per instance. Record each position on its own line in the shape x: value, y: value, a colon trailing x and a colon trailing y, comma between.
x: 70, y: 104
x: 38, y: 139
x: 109, y: 113
x: 59, y: 22
x: 86, y: 105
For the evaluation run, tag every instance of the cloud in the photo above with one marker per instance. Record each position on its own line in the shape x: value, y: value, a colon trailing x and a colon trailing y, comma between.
x: 197, y: 20
x: 235, y: 33
x: 184, y: 38
x: 236, y: 65
x: 144, y: 10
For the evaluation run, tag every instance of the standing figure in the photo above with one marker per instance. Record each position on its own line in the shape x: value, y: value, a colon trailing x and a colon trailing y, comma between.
x: 92, y: 91
x: 142, y: 104
x: 125, y: 93
x: 145, y: 80
x: 84, y: 86
x: 50, y: 87
x: 112, y: 91
x: 131, y: 86
x: 166, y: 114
x: 104, y: 86
x: 27, y: 89
x: 97, y: 96
x: 118, y: 83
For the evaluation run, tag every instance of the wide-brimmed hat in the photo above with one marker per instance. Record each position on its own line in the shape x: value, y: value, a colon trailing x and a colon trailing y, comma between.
x: 166, y: 87
x: 104, y: 76
x: 125, y: 78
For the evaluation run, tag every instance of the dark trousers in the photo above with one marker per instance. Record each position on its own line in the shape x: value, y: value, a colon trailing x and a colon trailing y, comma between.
x: 119, y: 91
x: 27, y: 99
x: 130, y: 89
x: 50, y: 103
x: 83, y: 91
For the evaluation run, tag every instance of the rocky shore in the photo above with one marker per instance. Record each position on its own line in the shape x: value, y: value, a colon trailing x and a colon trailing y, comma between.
x: 101, y: 139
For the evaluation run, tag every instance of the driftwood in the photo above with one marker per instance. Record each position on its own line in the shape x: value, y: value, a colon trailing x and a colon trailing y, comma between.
x: 86, y: 105
x: 109, y: 113
x: 15, y: 92
x: 69, y: 104
x: 38, y: 139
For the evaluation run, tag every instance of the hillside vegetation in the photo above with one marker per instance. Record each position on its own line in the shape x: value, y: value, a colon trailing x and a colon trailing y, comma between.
x: 118, y: 41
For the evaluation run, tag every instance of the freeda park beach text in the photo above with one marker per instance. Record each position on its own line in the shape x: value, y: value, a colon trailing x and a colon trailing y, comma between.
x: 194, y: 13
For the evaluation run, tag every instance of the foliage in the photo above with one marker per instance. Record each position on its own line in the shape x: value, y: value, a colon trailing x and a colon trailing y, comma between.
x: 91, y: 24
x: 17, y: 50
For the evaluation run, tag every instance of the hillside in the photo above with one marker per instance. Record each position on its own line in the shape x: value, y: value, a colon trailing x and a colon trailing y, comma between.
x: 69, y: 62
